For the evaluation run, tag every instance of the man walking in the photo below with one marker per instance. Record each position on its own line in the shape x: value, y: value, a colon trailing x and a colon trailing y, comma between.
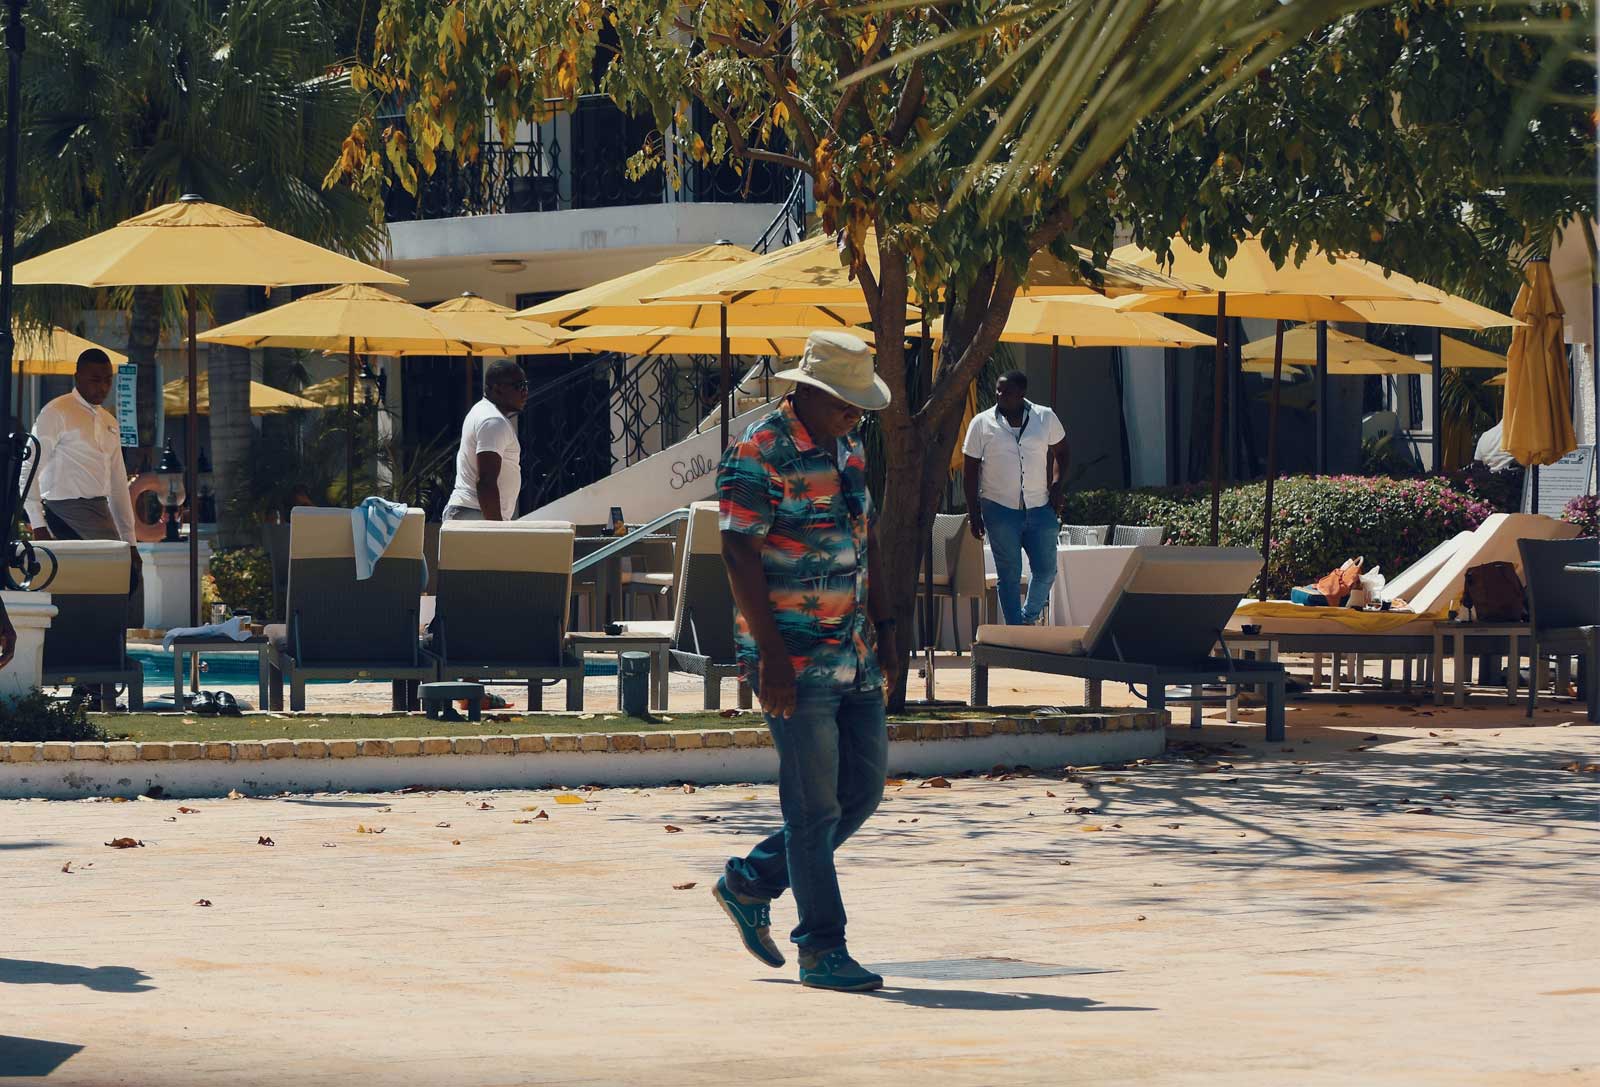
x: 816, y: 642
x: 80, y: 490
x: 489, y: 462
x: 1015, y: 476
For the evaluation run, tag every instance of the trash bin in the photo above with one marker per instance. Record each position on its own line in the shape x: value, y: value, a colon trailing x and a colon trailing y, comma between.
x: 633, y: 672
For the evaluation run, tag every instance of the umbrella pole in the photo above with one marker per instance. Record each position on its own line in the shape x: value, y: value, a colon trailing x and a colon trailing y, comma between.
x: 724, y: 393
x: 1438, y: 401
x: 191, y: 468
x: 1055, y: 366
x: 930, y: 627
x: 1322, y: 398
x: 1594, y: 361
x: 1272, y: 459
x: 1217, y: 391
x: 350, y: 426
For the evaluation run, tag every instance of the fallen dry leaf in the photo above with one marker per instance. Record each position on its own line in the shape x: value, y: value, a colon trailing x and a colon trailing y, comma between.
x: 687, y: 787
x: 1419, y: 811
x: 187, y: 811
x: 455, y: 841
x: 1048, y: 793
x: 170, y: 819
x: 751, y: 796
x: 1172, y: 826
x: 203, y: 902
x: 683, y: 886
x: 569, y: 798
x: 235, y: 794
x: 729, y: 713
x: 1091, y: 827
x: 264, y: 840
x: 935, y: 783
x: 670, y: 829
x: 890, y: 783
x: 1065, y: 864
x: 441, y: 823
x: 67, y: 868
x: 484, y: 805
x: 363, y: 829
x: 1080, y: 811
x: 119, y: 800
x: 125, y: 843
x: 1141, y: 917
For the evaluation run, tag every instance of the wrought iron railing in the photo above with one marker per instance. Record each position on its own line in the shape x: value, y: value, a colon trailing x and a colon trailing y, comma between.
x: 576, y: 160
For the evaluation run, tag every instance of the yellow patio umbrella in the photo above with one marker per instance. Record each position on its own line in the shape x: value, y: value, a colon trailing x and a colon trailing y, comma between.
x: 1498, y: 381
x: 623, y: 300
x: 54, y: 352
x: 481, y: 322
x: 1460, y: 355
x: 191, y: 243
x: 264, y: 399
x: 779, y: 341
x: 1538, y: 419
x: 1347, y: 355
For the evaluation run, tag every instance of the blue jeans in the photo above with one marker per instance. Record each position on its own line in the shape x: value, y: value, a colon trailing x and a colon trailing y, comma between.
x: 1011, y: 532
x: 832, y: 754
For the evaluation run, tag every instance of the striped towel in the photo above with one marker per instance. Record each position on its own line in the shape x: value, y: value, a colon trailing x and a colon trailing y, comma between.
x: 374, y: 523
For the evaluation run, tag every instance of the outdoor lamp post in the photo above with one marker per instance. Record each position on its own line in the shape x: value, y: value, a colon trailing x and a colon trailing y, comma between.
x: 170, y: 473
x: 376, y: 381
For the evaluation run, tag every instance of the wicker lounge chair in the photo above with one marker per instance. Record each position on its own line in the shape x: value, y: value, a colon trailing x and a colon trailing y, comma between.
x: 341, y: 628
x: 702, y: 624
x: 501, y: 612
x: 1156, y: 629
x: 86, y: 644
x: 1563, y: 611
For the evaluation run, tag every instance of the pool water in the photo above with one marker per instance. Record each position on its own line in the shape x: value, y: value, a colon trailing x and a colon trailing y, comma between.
x: 239, y: 669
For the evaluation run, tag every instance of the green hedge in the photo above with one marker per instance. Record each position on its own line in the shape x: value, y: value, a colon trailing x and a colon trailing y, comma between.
x: 1317, y: 522
x: 243, y: 580
x: 34, y: 718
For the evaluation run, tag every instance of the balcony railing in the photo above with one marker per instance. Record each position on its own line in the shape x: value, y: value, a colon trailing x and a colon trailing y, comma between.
x: 577, y: 160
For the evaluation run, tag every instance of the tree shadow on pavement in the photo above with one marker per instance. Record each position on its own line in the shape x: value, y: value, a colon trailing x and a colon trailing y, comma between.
x: 102, y: 979
x: 32, y: 1057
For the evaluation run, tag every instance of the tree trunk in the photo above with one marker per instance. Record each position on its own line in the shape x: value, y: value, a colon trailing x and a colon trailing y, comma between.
x: 144, y: 336
x: 231, y: 430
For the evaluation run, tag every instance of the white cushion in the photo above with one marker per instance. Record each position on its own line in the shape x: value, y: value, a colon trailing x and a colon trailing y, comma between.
x: 1068, y: 641
x: 663, y: 629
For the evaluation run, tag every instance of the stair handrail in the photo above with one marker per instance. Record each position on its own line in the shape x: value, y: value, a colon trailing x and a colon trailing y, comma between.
x: 622, y: 543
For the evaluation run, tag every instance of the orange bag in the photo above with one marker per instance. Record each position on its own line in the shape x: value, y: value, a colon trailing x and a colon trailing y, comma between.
x: 1337, y: 585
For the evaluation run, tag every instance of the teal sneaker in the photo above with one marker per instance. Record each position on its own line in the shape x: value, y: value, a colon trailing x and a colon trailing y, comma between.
x: 836, y: 970
x: 753, y: 918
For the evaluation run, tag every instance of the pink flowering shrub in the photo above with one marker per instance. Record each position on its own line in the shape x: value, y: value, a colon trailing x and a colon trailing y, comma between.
x: 1584, y: 511
x: 1317, y: 522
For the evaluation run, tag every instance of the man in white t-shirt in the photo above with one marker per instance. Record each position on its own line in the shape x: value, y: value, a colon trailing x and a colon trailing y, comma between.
x: 489, y: 462
x: 1015, y: 476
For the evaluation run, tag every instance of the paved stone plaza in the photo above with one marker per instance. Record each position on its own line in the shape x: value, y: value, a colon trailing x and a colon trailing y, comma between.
x: 1409, y: 903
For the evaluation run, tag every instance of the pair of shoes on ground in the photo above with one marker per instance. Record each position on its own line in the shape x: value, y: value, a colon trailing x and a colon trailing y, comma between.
x: 833, y: 969
x: 212, y: 704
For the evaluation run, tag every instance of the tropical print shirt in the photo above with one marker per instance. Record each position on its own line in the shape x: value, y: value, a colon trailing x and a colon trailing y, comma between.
x: 811, y: 509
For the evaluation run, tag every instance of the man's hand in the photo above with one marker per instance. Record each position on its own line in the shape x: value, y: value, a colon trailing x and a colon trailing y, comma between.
x: 777, y: 692
x: 8, y: 640
x: 1058, y: 496
x: 41, y: 533
x: 889, y: 658
x: 975, y: 524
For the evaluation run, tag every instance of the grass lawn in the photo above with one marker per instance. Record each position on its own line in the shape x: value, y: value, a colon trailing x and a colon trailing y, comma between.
x: 167, y: 727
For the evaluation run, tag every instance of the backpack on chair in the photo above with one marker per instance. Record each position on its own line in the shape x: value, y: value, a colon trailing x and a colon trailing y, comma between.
x: 1496, y: 593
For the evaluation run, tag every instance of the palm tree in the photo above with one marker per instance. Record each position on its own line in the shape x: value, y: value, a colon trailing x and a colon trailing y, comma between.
x: 132, y: 103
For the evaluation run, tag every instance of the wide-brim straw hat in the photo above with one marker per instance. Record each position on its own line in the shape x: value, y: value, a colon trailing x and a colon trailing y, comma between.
x: 840, y: 364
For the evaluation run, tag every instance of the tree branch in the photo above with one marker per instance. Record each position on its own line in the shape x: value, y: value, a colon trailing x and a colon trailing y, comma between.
x: 744, y: 150
x: 909, y: 105
x: 950, y: 389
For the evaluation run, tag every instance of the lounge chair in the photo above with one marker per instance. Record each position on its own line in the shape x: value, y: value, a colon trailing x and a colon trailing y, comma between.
x: 1563, y: 611
x: 341, y: 628
x: 501, y: 612
x: 1156, y: 629
x: 702, y: 626
x: 1438, y: 577
x: 86, y: 644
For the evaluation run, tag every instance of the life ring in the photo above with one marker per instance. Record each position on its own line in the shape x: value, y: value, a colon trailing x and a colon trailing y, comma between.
x: 149, y: 516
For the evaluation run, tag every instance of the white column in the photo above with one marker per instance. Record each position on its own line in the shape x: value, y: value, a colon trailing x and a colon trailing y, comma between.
x: 30, y: 615
x: 166, y: 583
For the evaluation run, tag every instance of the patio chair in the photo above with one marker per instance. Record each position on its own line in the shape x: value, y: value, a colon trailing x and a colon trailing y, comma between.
x: 958, y: 572
x: 340, y: 628
x: 648, y: 571
x: 1084, y: 535
x: 1156, y: 629
x: 1138, y: 535
x: 86, y: 644
x: 702, y: 626
x: 1563, y: 612
x: 502, y: 606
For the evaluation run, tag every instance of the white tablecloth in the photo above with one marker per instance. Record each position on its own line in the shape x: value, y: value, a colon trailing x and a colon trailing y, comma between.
x: 1084, y: 576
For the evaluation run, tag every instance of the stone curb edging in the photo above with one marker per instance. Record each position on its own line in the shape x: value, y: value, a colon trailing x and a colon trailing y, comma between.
x: 534, y: 744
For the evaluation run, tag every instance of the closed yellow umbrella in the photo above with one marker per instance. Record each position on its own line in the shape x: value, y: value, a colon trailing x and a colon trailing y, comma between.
x: 189, y: 243
x: 1538, y: 421
x: 264, y: 399
x: 54, y: 352
x: 1347, y: 355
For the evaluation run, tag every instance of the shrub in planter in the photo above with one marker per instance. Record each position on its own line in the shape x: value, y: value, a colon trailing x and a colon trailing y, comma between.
x: 35, y: 718
x: 1584, y: 511
x: 1317, y: 522
x: 243, y: 580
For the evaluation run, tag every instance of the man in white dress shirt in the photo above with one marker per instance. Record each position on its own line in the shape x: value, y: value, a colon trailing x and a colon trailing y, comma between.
x: 1015, y: 476
x: 80, y: 488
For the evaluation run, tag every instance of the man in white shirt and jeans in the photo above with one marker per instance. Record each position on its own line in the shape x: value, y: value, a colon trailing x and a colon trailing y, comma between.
x: 1015, y: 476
x: 489, y: 462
